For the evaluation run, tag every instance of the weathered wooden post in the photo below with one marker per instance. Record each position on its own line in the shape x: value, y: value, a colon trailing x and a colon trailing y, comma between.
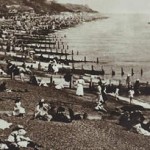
x: 92, y: 68
x: 72, y: 58
x: 113, y: 73
x: 141, y: 72
x: 97, y: 60
x: 56, y: 50
x: 122, y: 72
x: 102, y: 71
x: 85, y: 59
x: 66, y: 57
x: 71, y: 81
x: 51, y: 80
x: 72, y: 52
x: 39, y: 66
x: 58, y: 45
x: 132, y: 72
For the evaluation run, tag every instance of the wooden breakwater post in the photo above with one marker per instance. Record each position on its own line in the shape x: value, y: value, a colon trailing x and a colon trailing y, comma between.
x: 132, y: 72
x: 113, y: 73
x: 72, y: 52
x: 66, y: 56
x: 71, y: 81
x: 141, y: 72
x: 90, y: 84
x: 56, y: 50
x: 73, y: 68
x: 51, y: 80
x: 92, y: 68
x: 97, y: 61
x: 72, y: 58
x: 85, y: 59
x: 102, y: 71
x: 60, y: 57
x: 122, y: 72
x: 39, y: 66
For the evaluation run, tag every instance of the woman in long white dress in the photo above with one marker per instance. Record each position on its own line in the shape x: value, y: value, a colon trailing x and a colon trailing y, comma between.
x: 80, y: 83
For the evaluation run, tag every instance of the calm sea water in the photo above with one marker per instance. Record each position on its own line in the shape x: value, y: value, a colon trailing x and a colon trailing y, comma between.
x: 119, y: 41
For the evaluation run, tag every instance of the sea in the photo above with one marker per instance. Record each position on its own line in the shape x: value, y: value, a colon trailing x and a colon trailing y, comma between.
x: 120, y: 41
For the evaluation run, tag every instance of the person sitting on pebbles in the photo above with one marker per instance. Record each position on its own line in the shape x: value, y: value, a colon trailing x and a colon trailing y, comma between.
x: 61, y: 115
x: 18, y: 109
x: 18, y: 140
x: 41, y: 111
x: 143, y: 127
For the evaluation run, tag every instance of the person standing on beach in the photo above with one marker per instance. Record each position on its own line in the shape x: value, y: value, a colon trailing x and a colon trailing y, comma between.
x: 80, y: 82
x: 117, y: 93
x: 104, y: 94
x: 131, y: 94
x: 99, y: 93
x: 128, y: 81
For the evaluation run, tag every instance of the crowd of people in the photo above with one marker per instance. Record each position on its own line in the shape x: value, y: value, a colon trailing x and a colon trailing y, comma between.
x: 130, y: 118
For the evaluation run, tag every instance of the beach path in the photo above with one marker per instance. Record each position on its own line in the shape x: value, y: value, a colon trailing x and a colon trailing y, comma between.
x: 134, y: 101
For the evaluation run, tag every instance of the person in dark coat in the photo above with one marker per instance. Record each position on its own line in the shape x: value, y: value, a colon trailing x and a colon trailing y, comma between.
x: 33, y: 80
x: 137, y: 87
x: 3, y: 86
x: 61, y: 115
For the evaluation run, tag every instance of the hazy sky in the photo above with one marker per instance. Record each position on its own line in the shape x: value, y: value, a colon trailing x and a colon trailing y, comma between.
x: 115, y: 6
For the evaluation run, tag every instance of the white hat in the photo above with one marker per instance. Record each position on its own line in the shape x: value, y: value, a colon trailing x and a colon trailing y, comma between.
x: 145, y: 121
x: 20, y: 126
x: 42, y: 100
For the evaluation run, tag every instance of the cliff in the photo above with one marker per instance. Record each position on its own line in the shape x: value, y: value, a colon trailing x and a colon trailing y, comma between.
x: 44, y: 6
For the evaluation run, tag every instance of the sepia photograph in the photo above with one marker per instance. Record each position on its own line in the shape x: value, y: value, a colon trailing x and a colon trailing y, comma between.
x: 74, y: 74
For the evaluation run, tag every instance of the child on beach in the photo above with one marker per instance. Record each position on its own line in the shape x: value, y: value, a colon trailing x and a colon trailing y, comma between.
x: 99, y: 93
x: 131, y: 94
x: 117, y: 93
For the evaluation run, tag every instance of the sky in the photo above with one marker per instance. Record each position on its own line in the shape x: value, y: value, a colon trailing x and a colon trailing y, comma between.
x: 115, y: 6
